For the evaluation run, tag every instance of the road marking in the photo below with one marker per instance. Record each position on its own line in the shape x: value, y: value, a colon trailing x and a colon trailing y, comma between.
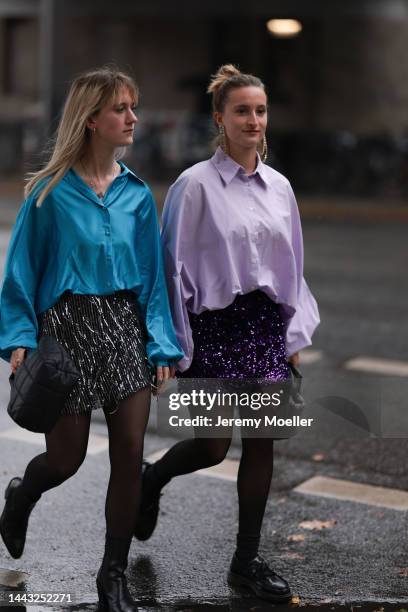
x: 227, y: 470
x: 320, y: 486
x: 373, y: 365
x: 96, y: 444
x: 310, y: 356
x: 11, y: 578
x: 346, y: 490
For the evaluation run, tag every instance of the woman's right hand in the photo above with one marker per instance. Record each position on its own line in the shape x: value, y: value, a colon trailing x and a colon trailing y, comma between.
x: 17, y: 358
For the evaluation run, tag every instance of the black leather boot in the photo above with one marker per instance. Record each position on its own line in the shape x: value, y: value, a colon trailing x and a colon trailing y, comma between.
x: 149, y: 507
x: 111, y: 582
x: 14, y: 519
x: 259, y: 578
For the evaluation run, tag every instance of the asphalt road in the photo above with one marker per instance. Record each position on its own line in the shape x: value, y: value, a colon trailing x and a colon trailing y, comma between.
x: 358, y: 274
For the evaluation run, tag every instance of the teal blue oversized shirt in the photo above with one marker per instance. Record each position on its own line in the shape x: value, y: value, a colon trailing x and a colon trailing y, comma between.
x: 77, y: 242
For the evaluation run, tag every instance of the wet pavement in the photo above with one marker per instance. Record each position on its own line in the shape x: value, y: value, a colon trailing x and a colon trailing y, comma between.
x: 353, y: 554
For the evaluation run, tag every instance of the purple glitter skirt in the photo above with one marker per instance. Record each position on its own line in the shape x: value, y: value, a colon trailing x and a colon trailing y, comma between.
x: 245, y: 340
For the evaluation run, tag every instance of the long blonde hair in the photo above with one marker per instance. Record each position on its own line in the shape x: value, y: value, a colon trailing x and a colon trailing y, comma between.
x: 89, y: 93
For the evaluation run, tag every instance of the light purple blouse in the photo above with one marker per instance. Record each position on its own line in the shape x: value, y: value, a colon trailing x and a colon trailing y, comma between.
x: 227, y: 233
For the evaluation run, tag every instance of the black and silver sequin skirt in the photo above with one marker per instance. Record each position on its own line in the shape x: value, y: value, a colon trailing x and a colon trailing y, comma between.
x: 106, y: 340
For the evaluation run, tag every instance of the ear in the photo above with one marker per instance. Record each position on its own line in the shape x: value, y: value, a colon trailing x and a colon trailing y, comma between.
x: 91, y: 123
x: 217, y: 118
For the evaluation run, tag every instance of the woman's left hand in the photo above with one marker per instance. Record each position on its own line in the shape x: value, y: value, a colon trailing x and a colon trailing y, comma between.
x: 163, y: 373
x: 294, y: 359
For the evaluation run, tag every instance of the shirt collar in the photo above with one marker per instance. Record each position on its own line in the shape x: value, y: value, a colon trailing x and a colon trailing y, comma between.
x: 229, y: 168
x: 74, y: 178
x: 128, y: 172
x: 125, y: 171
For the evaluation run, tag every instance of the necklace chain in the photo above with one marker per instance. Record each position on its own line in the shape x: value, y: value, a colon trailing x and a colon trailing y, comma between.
x: 91, y: 182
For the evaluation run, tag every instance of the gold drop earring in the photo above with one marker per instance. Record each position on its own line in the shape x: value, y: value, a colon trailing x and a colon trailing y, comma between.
x: 223, y: 138
x: 264, y: 154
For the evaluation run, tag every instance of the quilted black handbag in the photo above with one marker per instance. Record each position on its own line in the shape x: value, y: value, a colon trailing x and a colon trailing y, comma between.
x: 41, y: 385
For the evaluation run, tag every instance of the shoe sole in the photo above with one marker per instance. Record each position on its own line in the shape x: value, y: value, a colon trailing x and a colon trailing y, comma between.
x: 236, y: 580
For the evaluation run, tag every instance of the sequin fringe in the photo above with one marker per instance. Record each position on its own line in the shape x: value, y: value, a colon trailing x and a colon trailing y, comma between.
x: 106, y: 340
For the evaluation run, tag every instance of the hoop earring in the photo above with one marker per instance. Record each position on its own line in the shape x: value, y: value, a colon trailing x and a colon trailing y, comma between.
x: 223, y: 139
x: 264, y: 154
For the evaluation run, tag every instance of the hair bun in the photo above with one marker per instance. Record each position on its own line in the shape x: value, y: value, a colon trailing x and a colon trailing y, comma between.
x: 228, y: 70
x: 224, y: 72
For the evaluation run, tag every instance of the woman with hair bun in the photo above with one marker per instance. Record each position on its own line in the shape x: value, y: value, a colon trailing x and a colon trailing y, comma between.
x: 84, y: 265
x: 233, y: 253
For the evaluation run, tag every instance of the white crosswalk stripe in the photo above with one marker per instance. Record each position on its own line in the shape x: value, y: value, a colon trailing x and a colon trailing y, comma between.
x: 11, y: 578
x: 96, y: 443
x: 309, y: 356
x: 346, y: 490
x: 373, y: 365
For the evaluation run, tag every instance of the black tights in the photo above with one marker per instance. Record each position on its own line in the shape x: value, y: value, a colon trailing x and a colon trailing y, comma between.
x: 254, y: 479
x: 66, y: 449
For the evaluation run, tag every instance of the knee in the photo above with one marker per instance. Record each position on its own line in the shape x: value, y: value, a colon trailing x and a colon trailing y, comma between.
x: 65, y: 468
x: 216, y: 451
x: 128, y: 453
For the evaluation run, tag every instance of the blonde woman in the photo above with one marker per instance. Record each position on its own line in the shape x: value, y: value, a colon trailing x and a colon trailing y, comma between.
x: 84, y: 265
x: 234, y: 260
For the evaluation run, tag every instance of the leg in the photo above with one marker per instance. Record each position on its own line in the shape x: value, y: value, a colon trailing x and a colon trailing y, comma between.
x: 254, y: 479
x: 189, y: 456
x: 183, y: 458
x: 66, y: 449
x: 126, y: 428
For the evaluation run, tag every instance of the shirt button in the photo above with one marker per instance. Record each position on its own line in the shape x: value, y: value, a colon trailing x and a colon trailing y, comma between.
x: 107, y: 232
x: 109, y: 284
x: 251, y: 208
